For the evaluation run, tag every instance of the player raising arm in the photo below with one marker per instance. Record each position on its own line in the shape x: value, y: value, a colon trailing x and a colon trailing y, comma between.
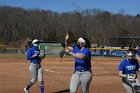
x: 82, y: 74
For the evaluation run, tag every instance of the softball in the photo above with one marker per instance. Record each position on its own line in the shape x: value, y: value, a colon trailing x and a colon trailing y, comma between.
x: 67, y: 51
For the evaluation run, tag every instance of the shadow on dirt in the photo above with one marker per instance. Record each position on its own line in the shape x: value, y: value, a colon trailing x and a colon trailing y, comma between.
x: 63, y: 91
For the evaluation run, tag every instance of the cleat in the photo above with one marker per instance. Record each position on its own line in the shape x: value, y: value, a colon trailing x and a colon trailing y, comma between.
x: 26, y: 91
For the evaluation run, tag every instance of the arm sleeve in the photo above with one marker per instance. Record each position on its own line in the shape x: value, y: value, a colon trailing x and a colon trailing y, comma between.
x: 86, y: 52
x: 29, y: 55
x: 75, y: 48
x: 139, y: 51
x: 121, y: 66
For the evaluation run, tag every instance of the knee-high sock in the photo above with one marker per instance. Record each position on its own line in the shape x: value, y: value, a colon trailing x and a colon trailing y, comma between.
x: 29, y: 85
x: 42, y: 89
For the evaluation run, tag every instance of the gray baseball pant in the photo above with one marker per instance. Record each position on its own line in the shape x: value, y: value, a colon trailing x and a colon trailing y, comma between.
x: 36, y: 71
x: 83, y: 78
x: 129, y: 87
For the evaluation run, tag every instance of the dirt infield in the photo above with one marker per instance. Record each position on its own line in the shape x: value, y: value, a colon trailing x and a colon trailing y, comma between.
x: 14, y: 75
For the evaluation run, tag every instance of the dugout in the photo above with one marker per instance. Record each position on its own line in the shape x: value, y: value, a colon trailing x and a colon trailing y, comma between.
x: 125, y: 41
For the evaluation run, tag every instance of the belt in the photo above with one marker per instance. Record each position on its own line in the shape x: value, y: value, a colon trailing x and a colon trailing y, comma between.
x: 81, y: 70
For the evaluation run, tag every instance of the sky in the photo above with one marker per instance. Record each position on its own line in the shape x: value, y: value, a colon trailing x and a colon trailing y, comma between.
x: 131, y: 7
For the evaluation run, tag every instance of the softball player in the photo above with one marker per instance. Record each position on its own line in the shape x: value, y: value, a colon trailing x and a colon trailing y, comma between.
x: 128, y: 69
x: 138, y: 53
x: 33, y: 54
x: 83, y: 73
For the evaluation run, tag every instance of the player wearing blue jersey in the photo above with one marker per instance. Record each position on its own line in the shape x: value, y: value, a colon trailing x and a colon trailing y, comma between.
x: 82, y: 74
x: 128, y: 69
x: 35, y: 57
x: 138, y: 53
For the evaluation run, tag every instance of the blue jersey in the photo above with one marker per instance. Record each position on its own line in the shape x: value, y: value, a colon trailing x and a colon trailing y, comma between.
x: 129, y: 67
x: 82, y: 64
x: 139, y: 51
x: 31, y: 52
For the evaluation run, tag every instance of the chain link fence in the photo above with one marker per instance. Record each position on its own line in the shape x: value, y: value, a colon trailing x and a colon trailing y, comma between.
x: 56, y: 51
x: 23, y: 51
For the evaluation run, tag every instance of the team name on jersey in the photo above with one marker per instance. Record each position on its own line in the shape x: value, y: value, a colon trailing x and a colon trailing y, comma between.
x: 131, y: 67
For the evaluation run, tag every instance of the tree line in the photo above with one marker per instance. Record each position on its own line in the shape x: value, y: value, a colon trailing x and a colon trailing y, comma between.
x: 100, y: 26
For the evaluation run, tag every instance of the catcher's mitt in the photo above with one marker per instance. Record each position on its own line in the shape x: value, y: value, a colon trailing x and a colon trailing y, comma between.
x: 62, y: 53
x: 71, y: 40
x: 131, y: 77
x: 42, y: 54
